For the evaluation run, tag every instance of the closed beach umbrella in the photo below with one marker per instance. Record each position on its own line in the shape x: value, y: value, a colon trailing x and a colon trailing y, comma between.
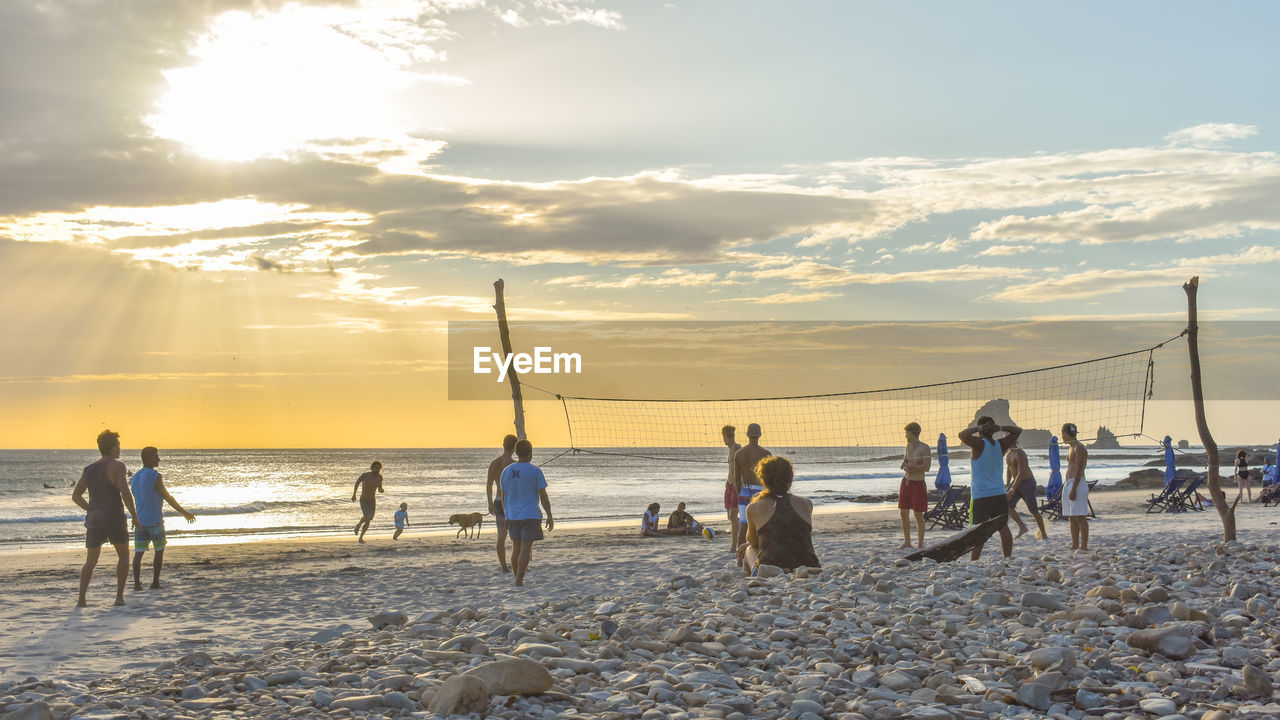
x: 1055, y: 469
x: 943, y: 480
x: 1170, y: 465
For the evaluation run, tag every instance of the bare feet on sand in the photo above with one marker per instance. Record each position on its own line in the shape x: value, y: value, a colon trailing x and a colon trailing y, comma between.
x: 1021, y: 531
x: 905, y: 546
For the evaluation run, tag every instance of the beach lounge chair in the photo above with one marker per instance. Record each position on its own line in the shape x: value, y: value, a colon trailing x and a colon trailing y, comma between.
x: 948, y: 512
x: 1160, y: 502
x: 1187, y: 498
x: 1092, y: 485
x: 1052, y: 506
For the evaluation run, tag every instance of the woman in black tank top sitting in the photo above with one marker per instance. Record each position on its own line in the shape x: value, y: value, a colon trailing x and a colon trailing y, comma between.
x: 779, y: 524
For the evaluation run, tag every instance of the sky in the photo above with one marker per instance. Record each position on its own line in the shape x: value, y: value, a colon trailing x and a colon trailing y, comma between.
x: 246, y: 223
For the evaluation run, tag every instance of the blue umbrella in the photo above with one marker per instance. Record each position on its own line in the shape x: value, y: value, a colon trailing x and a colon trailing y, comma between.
x: 943, y: 480
x: 1055, y: 469
x: 1170, y: 465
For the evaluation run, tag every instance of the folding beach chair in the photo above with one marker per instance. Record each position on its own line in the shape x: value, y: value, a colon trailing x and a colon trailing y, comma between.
x: 1092, y: 484
x: 948, y: 512
x: 1052, y: 506
x: 1187, y: 499
x: 1160, y: 502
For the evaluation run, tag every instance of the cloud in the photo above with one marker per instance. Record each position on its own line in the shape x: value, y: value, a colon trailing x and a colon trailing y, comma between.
x: 1002, y: 250
x: 1211, y: 134
x: 783, y: 298
x: 675, y: 277
x: 949, y: 245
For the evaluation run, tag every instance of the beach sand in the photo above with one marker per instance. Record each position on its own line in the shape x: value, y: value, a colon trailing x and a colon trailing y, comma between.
x: 236, y: 598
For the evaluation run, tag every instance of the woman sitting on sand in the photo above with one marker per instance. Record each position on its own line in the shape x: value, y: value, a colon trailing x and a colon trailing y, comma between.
x: 779, y: 524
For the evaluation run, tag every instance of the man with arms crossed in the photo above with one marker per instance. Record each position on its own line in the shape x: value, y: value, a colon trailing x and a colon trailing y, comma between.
x: 148, y: 490
x: 372, y: 482
x: 523, y: 487
x: 1075, y: 491
x: 104, y: 512
x: 988, y: 500
x: 1021, y: 485
x: 731, y: 488
x: 744, y: 470
x: 913, y: 496
x: 496, y: 466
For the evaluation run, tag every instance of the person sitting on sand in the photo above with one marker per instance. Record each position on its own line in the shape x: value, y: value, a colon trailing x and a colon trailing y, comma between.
x: 649, y: 523
x: 1021, y: 485
x: 779, y: 524
x: 104, y: 513
x: 148, y: 490
x: 913, y: 494
x: 402, y: 520
x: 1243, y: 480
x: 372, y: 482
x: 683, y: 521
x: 987, y: 498
x: 744, y: 465
x: 523, y: 486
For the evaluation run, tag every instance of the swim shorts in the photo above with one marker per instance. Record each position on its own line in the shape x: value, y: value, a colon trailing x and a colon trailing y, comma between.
x: 1078, y: 507
x: 730, y: 496
x: 115, y: 533
x: 744, y: 499
x: 144, y: 536
x: 912, y: 495
x: 986, y: 508
x: 367, y: 506
x: 524, y: 530
x: 1026, y: 492
x: 500, y: 514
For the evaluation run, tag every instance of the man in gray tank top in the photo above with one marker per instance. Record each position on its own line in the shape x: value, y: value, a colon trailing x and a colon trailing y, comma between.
x: 104, y: 521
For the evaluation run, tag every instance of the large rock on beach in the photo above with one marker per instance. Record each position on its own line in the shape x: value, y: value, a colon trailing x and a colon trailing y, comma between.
x: 460, y: 695
x: 1173, y: 641
x: 385, y: 618
x: 513, y: 677
x: 39, y: 710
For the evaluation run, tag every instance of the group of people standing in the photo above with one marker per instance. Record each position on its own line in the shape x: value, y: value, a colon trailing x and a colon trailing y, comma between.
x: 1001, y: 476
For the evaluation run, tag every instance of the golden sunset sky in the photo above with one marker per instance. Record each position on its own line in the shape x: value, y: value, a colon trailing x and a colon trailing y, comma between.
x: 246, y: 223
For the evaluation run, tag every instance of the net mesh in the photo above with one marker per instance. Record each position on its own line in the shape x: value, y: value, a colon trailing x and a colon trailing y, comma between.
x: 1109, y: 392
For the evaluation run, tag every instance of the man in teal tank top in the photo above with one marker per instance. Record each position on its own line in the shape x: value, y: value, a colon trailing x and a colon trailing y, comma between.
x: 148, y: 490
x: 987, y: 494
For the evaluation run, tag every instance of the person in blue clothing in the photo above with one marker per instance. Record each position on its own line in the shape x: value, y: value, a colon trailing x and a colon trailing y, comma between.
x: 148, y: 490
x: 523, y: 487
x: 402, y: 520
x: 987, y: 489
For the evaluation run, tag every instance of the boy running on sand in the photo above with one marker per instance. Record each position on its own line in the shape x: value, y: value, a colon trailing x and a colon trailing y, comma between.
x: 402, y: 520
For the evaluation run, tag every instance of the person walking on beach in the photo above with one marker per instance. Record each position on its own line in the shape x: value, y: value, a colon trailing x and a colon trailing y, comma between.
x: 1075, y: 505
x: 104, y: 513
x: 402, y: 520
x: 1021, y: 485
x: 1243, y: 481
x: 148, y: 490
x: 368, y: 485
x: 744, y: 469
x: 913, y: 496
x: 523, y: 487
x: 988, y: 500
x: 731, y: 488
x: 491, y: 486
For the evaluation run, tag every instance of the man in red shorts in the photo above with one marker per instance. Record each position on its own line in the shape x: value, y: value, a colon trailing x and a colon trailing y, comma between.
x: 731, y: 489
x: 912, y: 493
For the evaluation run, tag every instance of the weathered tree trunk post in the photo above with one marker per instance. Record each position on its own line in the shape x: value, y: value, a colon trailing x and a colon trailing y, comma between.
x: 500, y: 306
x: 1225, y: 512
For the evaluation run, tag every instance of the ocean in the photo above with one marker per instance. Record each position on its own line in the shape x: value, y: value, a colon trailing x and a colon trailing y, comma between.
x: 241, y: 494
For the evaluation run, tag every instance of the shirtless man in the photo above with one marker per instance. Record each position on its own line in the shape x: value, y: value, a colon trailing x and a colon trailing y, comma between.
x: 913, y: 496
x: 1075, y: 491
x: 986, y: 491
x: 372, y: 482
x: 731, y: 488
x: 109, y: 495
x: 493, y: 488
x: 1020, y: 484
x: 744, y: 470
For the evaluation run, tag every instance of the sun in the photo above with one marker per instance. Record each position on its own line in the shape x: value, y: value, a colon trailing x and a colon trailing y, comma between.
x: 268, y: 84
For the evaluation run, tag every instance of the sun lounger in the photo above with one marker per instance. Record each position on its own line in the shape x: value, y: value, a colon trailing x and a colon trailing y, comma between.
x: 948, y: 512
x: 1052, y: 506
x: 1160, y: 502
x: 1188, y: 498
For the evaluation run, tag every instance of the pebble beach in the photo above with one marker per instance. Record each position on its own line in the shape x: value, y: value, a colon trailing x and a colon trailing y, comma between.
x: 1159, y: 619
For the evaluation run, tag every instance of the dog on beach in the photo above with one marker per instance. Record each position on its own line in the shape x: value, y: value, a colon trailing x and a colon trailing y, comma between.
x: 466, y: 521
